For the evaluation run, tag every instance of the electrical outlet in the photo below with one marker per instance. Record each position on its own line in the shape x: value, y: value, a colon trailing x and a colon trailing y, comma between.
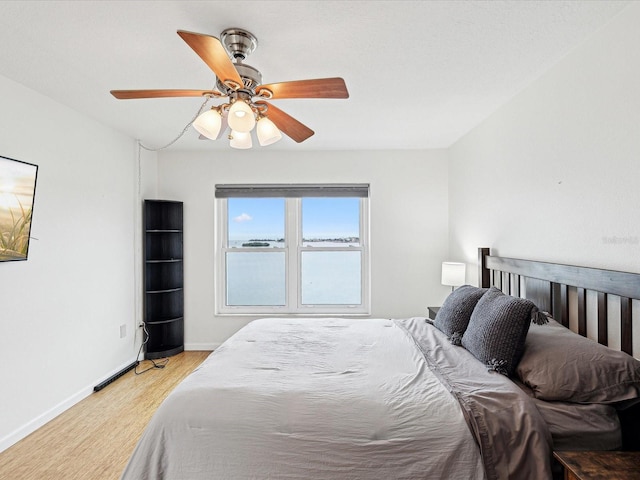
x: 123, y: 330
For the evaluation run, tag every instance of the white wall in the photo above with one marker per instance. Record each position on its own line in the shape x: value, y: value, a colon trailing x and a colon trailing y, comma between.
x: 555, y: 174
x: 408, y: 209
x: 61, y: 310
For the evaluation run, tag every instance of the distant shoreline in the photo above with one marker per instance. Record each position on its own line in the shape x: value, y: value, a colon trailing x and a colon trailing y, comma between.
x: 315, y: 240
x: 255, y: 243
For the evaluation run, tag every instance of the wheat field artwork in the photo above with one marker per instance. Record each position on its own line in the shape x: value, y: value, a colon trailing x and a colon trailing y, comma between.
x: 17, y: 191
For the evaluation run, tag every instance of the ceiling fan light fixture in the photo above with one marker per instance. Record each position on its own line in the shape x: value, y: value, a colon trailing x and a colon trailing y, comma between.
x: 209, y: 123
x: 241, y: 117
x: 242, y: 84
x: 267, y: 132
x: 240, y: 140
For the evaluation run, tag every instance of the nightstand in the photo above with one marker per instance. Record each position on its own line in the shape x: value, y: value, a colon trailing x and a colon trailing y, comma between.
x: 433, y: 311
x: 600, y: 465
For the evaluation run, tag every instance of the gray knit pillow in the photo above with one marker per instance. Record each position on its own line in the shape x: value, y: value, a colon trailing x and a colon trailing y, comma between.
x: 497, y: 330
x: 453, y: 317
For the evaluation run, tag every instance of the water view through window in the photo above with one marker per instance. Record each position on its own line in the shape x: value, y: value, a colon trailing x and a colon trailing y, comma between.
x: 329, y: 267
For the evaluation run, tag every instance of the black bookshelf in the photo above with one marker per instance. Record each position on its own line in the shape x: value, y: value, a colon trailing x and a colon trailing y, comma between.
x: 163, y: 278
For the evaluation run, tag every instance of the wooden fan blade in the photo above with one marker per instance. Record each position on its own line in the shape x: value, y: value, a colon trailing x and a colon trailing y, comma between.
x: 318, y: 88
x: 210, y: 50
x: 132, y: 94
x: 287, y: 124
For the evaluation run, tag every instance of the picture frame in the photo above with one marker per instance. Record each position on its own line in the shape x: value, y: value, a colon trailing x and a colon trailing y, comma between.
x: 17, y: 194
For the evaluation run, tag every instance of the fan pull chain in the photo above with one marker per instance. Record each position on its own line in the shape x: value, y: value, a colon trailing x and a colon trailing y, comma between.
x: 184, y: 130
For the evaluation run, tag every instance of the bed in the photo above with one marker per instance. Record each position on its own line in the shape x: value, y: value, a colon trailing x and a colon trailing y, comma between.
x: 407, y: 398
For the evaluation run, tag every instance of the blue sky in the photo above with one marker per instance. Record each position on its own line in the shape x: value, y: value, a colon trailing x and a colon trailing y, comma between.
x: 322, y: 217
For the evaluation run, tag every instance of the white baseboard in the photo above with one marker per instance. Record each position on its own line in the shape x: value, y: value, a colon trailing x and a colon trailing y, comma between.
x: 201, y: 347
x: 30, y: 427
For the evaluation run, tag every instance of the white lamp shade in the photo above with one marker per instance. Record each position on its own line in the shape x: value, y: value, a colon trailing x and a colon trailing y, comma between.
x: 241, y: 117
x: 240, y: 140
x: 208, y: 124
x: 453, y: 273
x: 267, y: 132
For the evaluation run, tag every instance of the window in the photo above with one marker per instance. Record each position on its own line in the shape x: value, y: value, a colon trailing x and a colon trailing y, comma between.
x: 295, y: 249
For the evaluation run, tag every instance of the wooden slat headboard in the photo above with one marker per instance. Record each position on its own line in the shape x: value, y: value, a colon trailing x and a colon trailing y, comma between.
x: 548, y: 284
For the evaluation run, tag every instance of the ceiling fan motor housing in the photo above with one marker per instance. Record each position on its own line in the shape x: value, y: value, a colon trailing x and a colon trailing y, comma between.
x: 251, y: 78
x: 239, y: 44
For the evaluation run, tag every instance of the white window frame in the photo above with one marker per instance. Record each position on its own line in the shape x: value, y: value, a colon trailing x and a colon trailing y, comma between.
x: 293, y: 260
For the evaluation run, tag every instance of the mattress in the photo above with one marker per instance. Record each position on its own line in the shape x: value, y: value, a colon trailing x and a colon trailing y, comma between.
x: 575, y: 426
x: 582, y: 427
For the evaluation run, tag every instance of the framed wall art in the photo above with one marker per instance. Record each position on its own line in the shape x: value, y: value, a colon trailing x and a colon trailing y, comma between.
x: 17, y: 193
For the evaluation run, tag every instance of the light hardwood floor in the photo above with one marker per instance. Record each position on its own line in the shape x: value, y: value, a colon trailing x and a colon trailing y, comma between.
x: 94, y: 439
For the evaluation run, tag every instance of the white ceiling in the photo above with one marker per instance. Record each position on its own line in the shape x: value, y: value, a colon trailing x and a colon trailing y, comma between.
x: 420, y: 74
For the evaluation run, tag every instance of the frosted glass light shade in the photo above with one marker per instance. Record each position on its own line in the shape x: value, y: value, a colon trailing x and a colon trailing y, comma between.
x: 267, y: 132
x: 241, y: 117
x: 208, y: 124
x: 453, y: 273
x: 240, y: 140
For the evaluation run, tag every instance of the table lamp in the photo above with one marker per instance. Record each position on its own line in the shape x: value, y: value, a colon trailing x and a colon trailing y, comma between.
x: 453, y: 274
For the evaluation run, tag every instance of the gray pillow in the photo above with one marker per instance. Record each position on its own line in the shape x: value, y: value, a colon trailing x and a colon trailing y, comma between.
x: 497, y: 330
x: 561, y: 365
x: 453, y: 317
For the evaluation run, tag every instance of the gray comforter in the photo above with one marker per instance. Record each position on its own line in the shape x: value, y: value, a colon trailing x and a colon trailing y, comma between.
x: 342, y: 399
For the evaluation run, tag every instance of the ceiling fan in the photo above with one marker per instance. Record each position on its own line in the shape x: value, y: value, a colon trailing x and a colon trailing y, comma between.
x: 242, y: 85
